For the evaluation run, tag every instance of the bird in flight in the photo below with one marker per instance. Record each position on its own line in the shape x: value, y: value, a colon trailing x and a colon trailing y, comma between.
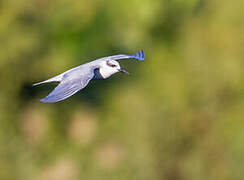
x: 77, y: 78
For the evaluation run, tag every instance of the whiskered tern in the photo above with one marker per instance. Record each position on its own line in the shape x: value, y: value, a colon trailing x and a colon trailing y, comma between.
x: 77, y: 78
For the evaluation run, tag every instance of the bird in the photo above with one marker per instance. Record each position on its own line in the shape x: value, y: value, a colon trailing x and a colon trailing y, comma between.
x: 75, y: 79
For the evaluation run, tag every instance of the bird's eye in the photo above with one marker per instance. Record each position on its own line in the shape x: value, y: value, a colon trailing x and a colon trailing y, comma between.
x: 110, y: 64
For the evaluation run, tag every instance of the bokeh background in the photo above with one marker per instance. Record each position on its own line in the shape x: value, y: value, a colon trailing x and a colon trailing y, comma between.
x: 177, y: 116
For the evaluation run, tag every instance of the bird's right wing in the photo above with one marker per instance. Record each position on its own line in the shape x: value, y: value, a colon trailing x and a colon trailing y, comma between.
x: 139, y: 56
x: 68, y: 87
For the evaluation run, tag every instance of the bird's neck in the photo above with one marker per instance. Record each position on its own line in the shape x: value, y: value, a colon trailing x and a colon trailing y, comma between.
x: 106, y: 72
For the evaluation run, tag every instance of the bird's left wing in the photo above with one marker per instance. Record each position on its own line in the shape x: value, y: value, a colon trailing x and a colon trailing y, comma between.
x: 68, y: 87
x: 139, y: 56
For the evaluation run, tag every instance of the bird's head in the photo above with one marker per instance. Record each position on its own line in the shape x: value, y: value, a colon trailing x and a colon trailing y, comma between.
x: 110, y: 67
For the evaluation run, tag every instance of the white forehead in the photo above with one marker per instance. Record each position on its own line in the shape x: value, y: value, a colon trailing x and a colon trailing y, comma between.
x: 105, y: 63
x: 113, y: 62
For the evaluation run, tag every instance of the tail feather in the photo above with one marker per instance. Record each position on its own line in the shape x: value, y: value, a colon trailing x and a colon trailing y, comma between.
x: 54, y: 79
x: 139, y: 56
x: 41, y: 83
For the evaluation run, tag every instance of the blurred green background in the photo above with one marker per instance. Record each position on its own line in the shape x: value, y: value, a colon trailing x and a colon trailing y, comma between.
x: 177, y: 116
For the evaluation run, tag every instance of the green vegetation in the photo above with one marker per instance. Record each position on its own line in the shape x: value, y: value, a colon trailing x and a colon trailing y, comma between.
x: 179, y: 115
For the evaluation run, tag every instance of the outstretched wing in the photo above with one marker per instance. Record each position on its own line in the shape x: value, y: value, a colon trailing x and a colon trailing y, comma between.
x: 68, y: 87
x: 139, y: 56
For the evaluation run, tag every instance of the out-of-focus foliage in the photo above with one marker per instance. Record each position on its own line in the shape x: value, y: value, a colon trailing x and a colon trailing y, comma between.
x: 179, y: 115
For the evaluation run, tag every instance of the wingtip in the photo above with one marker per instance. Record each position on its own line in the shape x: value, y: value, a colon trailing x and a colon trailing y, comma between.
x: 139, y: 56
x: 46, y: 100
x: 43, y: 100
x: 49, y: 99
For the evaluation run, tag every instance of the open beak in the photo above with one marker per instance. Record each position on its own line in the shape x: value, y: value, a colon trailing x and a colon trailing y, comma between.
x: 123, y: 71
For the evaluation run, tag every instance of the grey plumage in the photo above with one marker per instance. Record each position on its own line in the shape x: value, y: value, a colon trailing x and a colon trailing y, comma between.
x: 77, y: 78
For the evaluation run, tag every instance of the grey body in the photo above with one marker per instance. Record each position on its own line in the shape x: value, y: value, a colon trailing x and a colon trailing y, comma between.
x: 77, y: 78
x: 97, y: 75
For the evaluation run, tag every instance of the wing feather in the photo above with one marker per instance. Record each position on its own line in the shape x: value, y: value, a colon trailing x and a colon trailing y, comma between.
x: 67, y: 88
x: 139, y: 56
